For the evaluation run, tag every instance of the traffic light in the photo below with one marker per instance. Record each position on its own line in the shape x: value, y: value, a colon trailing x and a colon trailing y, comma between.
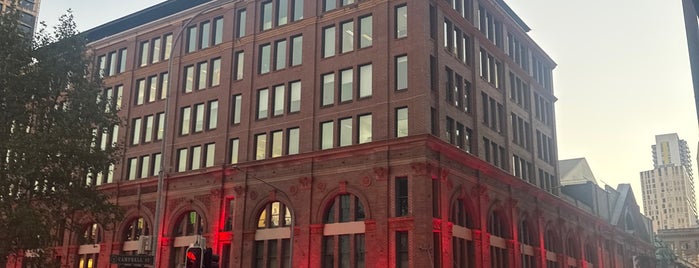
x: 194, y: 257
x: 210, y: 259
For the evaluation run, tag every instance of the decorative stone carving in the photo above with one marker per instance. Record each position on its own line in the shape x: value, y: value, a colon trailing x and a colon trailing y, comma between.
x: 321, y: 186
x: 421, y: 168
x: 443, y: 174
x: 306, y: 183
x: 239, y: 190
x: 293, y: 189
x: 366, y: 181
x: 381, y: 173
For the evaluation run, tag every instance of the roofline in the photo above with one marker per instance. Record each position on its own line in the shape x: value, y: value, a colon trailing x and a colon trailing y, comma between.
x: 513, y: 15
x: 138, y: 18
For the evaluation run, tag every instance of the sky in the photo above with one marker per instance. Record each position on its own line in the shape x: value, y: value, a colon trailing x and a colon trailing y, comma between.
x: 623, y: 74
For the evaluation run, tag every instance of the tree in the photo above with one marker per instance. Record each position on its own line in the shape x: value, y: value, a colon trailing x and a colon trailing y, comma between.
x: 51, y: 117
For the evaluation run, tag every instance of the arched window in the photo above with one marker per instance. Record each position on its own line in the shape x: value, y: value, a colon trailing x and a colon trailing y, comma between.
x: 551, y: 244
x: 572, y: 248
x: 591, y: 253
x: 132, y: 233
x: 185, y: 232
x: 463, y: 249
x: 498, y: 229
x: 343, y: 233
x: 88, y: 252
x: 190, y: 224
x: 136, y: 229
x: 272, y: 238
x: 528, y: 241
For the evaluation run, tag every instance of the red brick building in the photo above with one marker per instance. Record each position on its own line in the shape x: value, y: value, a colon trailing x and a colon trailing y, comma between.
x: 429, y: 138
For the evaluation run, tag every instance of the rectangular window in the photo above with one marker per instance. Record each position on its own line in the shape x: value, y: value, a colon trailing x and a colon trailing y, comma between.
x: 366, y: 31
x: 148, y: 137
x: 365, y: 128
x: 401, y: 196
x: 347, y: 36
x: 181, y: 160
x: 282, y: 12
x: 205, y: 38
x: 326, y: 134
x: 133, y: 168
x: 102, y: 63
x: 168, y: 47
x: 262, y: 103
x: 185, y: 120
x: 239, y: 64
x: 188, y: 79
x: 140, y: 91
x: 280, y: 54
x: 156, y: 50
x: 164, y: 81
x: 260, y: 146
x: 191, y: 39
x: 294, y: 96
x: 144, y: 53
x: 198, y: 117
x: 345, y: 131
x: 266, y: 16
x: 136, y: 132
x: 218, y: 31
x: 122, y: 60
x: 329, y: 5
x: 215, y: 72
x: 292, y: 141
x: 119, y: 95
x: 237, y: 102
x: 401, y: 21
x: 196, y: 157
x: 209, y: 154
x: 401, y: 122
x: 212, y: 117
x: 329, y: 41
x: 234, y: 151
x: 161, y: 126
x: 365, y: 80
x: 145, y: 165
x: 346, y: 85
x: 402, y: 249
x: 265, y: 58
x: 152, y: 88
x: 240, y: 27
x: 277, y: 137
x: 157, y: 158
x: 112, y: 63
x: 401, y: 72
x: 328, y: 94
x: 296, y: 49
x: 201, y: 78
x: 279, y: 100
x: 298, y: 10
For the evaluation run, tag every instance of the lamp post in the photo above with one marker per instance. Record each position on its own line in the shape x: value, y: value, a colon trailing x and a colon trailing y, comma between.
x: 163, y: 144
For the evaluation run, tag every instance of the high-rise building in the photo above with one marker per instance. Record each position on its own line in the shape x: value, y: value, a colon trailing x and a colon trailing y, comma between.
x: 29, y: 12
x: 668, y: 190
x: 428, y: 127
x: 691, y: 23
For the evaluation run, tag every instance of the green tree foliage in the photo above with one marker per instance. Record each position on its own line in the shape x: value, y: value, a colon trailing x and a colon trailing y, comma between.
x: 51, y: 117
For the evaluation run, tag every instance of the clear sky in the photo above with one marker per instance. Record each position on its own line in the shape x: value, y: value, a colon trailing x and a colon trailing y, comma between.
x: 623, y: 74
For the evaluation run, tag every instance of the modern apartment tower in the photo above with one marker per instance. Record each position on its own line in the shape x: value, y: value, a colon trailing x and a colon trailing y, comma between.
x: 337, y: 133
x: 29, y: 12
x: 668, y: 190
